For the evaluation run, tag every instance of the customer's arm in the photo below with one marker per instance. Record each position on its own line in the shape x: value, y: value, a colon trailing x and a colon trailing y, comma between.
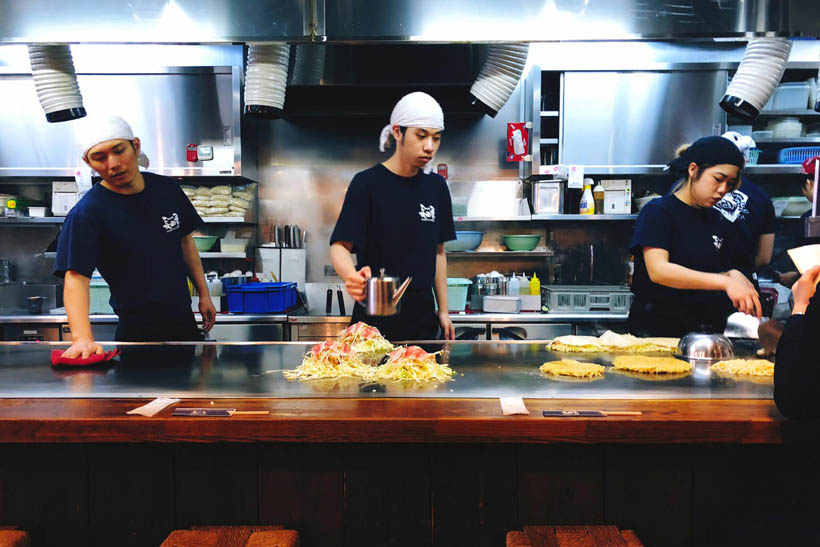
x: 76, y: 298
x: 796, y: 372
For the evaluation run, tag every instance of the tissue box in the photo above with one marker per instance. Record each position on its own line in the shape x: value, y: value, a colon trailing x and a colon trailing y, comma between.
x: 617, y: 197
x: 62, y: 202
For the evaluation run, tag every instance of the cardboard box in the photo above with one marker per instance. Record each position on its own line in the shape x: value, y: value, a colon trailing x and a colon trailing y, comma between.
x: 617, y: 197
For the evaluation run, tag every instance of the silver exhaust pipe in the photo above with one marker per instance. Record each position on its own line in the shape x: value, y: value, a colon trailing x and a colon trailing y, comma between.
x: 498, y: 77
x: 757, y: 76
x: 266, y: 78
x: 52, y: 69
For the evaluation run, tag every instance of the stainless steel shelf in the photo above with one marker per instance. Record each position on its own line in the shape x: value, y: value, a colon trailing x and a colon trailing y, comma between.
x: 798, y: 112
x: 549, y: 113
x: 26, y: 221
x: 498, y: 254
x: 773, y: 169
x: 493, y: 219
x: 222, y: 255
x: 548, y: 141
x: 584, y: 217
x: 801, y: 140
x: 225, y: 220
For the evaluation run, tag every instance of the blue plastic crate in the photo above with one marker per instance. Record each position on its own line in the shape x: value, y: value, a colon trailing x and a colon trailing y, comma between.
x: 798, y: 155
x: 261, y: 297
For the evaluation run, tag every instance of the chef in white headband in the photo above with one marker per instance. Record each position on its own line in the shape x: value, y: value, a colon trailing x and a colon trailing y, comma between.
x: 134, y: 228
x: 750, y: 232
x: 396, y: 217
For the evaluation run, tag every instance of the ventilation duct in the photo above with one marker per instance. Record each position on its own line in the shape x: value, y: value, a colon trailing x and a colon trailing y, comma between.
x: 52, y: 69
x: 266, y: 78
x: 757, y: 76
x: 308, y: 64
x: 499, y: 76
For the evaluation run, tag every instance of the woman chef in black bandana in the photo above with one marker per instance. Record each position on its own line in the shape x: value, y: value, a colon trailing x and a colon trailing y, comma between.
x: 683, y: 281
x: 397, y: 215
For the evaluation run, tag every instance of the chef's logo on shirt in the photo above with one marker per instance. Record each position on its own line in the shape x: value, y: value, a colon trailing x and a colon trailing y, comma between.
x: 170, y: 223
x: 428, y: 213
x: 733, y: 206
x: 718, y: 241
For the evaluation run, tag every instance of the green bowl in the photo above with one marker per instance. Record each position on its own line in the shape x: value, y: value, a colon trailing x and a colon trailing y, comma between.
x: 204, y: 243
x: 521, y: 242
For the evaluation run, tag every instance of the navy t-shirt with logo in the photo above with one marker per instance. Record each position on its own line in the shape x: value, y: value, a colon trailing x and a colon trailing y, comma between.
x: 694, y: 239
x: 396, y: 223
x: 750, y: 214
x: 135, y: 241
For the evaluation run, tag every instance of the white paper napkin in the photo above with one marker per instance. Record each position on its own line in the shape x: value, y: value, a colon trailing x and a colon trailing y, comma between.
x: 154, y: 406
x: 513, y: 405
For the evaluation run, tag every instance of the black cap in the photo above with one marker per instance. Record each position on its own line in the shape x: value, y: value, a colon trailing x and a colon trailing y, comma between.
x: 739, y: 107
x: 263, y: 112
x: 709, y: 150
x: 65, y: 115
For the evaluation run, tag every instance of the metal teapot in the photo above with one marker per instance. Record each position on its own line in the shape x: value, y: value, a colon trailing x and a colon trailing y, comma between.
x: 381, y: 296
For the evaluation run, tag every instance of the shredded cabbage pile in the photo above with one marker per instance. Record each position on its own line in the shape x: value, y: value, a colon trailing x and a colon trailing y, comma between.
x: 330, y: 359
x: 413, y: 363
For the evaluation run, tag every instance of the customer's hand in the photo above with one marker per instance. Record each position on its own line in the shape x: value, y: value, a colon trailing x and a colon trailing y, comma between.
x: 356, y: 282
x: 82, y: 348
x: 447, y: 329
x: 804, y: 289
x: 742, y: 293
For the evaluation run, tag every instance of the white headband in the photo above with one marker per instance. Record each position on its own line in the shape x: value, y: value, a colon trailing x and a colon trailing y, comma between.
x: 415, y: 109
x: 101, y: 129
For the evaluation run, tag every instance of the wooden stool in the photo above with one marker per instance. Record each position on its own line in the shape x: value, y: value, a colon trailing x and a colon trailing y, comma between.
x: 573, y: 536
x: 273, y: 535
x: 12, y: 537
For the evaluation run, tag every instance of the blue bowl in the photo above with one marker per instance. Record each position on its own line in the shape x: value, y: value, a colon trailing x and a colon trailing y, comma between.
x: 465, y: 241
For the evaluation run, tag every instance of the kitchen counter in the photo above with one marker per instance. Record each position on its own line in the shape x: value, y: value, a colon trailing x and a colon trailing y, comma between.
x: 111, y: 318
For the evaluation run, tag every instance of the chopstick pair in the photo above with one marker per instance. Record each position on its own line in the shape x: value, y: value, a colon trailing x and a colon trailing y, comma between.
x: 588, y: 413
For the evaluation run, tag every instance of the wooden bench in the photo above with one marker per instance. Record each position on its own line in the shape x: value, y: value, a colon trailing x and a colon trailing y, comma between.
x: 273, y: 535
x: 573, y: 536
x: 10, y: 536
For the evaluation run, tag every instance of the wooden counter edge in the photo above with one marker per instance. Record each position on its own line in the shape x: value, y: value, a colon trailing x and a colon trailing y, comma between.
x: 430, y: 420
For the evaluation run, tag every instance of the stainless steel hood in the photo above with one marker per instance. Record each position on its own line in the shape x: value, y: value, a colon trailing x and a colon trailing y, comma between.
x: 431, y: 21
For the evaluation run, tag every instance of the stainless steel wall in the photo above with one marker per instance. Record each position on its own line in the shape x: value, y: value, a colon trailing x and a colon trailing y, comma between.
x: 305, y: 165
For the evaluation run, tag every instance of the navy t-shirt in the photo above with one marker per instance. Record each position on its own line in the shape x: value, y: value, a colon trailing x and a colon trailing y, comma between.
x: 396, y: 223
x: 750, y: 214
x: 135, y: 241
x: 694, y: 239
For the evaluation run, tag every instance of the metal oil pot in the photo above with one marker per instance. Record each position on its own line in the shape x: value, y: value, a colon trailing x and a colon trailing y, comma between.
x: 383, y: 294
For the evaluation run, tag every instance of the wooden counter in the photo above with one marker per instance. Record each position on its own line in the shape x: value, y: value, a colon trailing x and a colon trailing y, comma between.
x: 402, y: 421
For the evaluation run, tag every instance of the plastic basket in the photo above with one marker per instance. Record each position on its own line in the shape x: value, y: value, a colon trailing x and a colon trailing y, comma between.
x: 587, y: 298
x: 261, y: 297
x: 797, y: 155
x: 754, y: 155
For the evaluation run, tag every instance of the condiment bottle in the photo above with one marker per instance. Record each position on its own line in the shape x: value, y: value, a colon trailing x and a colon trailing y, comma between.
x: 524, y: 283
x: 535, y: 285
x: 587, y: 204
x: 598, y: 197
x: 514, y: 286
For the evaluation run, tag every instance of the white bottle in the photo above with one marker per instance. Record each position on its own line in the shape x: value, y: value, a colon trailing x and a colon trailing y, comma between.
x: 587, y: 205
x: 525, y: 284
x: 514, y: 286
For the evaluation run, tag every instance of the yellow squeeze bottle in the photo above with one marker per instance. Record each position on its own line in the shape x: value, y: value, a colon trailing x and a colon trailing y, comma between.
x: 535, y: 285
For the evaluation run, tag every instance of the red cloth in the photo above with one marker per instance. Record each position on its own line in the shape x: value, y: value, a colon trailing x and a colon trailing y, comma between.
x: 808, y: 165
x: 57, y: 359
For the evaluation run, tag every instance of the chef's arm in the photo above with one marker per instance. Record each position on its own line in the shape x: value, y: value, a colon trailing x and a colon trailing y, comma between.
x: 190, y: 255
x: 76, y: 298
x: 342, y: 260
x: 765, y: 246
x: 739, y: 290
x: 440, y: 288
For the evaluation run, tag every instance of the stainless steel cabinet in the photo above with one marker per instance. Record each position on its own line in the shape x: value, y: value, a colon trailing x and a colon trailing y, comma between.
x: 301, y: 332
x: 37, y: 332
x: 528, y: 331
x: 103, y: 332
x: 247, y: 332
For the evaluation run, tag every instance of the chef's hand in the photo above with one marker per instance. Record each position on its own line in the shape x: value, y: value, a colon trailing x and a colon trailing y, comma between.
x: 804, y: 289
x: 356, y: 282
x: 447, y: 329
x: 82, y: 348
x: 742, y: 293
x: 208, y: 311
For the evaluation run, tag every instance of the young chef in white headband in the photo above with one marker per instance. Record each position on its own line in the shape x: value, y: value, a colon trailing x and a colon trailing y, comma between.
x: 135, y: 228
x: 397, y: 216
